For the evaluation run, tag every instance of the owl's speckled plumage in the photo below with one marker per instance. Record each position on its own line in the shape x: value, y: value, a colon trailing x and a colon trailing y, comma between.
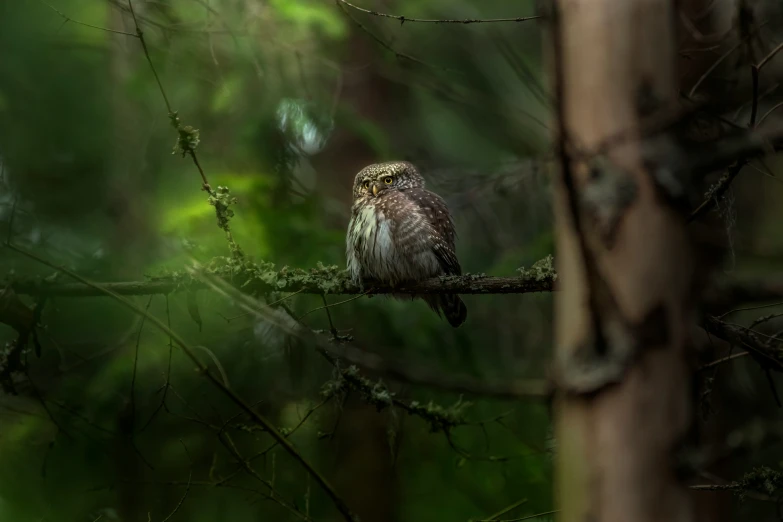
x: 401, y: 232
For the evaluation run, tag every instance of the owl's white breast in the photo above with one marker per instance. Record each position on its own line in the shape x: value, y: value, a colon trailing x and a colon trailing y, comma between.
x: 372, y: 252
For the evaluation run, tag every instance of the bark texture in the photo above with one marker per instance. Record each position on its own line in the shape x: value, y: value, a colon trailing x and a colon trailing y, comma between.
x: 625, y: 270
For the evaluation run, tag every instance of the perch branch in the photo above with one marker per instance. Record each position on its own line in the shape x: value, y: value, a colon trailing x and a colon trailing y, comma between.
x: 316, y: 281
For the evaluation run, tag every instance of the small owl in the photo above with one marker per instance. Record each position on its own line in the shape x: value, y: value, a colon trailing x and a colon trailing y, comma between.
x: 400, y: 232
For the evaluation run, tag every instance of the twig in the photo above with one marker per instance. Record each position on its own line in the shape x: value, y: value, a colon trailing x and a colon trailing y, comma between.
x: 722, y: 360
x: 187, y: 487
x: 327, y: 306
x: 135, y: 367
x: 746, y: 308
x: 717, y: 191
x: 77, y: 22
x: 755, y: 70
x: 228, y: 443
x: 388, y: 47
x: 215, y: 360
x: 528, y: 517
x: 204, y: 370
x: 403, y: 19
x: 771, y: 55
x: 503, y: 511
x: 716, y: 487
x: 720, y: 59
x: 166, y: 386
x: 766, y: 114
x: 140, y: 36
x: 332, y: 328
x: 745, y: 339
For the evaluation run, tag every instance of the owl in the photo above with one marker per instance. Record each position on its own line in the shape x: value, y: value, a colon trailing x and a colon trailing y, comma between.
x: 400, y: 232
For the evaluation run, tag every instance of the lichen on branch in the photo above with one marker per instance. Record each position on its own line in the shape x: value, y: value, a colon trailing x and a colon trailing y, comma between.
x: 262, y: 277
x: 377, y: 394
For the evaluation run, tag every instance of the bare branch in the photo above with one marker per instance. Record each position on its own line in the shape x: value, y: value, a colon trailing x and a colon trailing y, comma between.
x: 67, y: 19
x: 745, y: 338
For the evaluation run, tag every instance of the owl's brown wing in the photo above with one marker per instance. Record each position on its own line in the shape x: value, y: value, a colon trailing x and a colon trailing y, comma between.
x: 427, y: 224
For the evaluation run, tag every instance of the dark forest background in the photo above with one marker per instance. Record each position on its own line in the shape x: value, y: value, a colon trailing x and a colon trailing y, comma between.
x: 291, y: 98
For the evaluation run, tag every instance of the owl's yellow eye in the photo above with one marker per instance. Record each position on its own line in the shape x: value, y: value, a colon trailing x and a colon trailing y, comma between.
x: 388, y: 180
x: 366, y: 184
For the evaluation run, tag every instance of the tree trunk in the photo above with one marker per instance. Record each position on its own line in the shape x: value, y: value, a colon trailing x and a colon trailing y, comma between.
x: 624, y: 311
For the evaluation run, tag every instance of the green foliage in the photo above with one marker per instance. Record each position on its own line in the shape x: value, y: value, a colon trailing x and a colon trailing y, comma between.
x: 312, y: 14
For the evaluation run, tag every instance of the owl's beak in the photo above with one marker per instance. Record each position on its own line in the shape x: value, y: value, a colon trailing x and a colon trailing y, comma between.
x: 375, y: 189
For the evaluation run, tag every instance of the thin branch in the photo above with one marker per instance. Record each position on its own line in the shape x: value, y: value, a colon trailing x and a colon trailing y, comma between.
x: 77, y: 22
x: 722, y: 360
x: 135, y: 368
x: 746, y: 339
x: 528, y: 517
x: 386, y: 46
x: 403, y: 19
x: 716, y: 487
x: 720, y: 59
x: 771, y: 55
x: 190, y: 149
x: 167, y: 385
x: 327, y: 306
x: 747, y: 308
x: 228, y: 443
x: 187, y: 487
x: 766, y: 114
x: 716, y: 192
x: 140, y: 36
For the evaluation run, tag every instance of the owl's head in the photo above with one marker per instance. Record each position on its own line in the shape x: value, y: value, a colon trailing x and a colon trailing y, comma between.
x: 374, y: 180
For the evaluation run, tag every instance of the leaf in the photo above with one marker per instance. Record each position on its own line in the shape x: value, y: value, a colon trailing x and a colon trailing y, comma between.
x: 193, y: 309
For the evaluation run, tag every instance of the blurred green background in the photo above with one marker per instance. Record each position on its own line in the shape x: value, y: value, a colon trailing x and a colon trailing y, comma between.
x: 291, y: 98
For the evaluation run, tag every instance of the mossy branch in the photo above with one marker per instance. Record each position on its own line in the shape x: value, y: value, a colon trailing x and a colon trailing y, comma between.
x: 258, y: 278
x: 761, y: 483
x: 377, y: 394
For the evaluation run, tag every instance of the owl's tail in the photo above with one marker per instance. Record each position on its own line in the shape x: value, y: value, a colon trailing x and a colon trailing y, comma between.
x: 451, y: 305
